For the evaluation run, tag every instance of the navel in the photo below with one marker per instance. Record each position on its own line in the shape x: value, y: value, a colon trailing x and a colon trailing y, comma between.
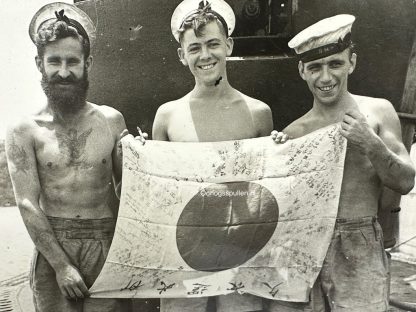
x: 49, y: 164
x: 104, y: 161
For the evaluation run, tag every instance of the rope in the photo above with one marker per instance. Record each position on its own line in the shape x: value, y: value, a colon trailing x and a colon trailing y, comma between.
x: 402, y: 243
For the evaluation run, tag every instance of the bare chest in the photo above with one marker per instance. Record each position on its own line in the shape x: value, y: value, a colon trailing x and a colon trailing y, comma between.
x: 209, y: 125
x: 85, y: 147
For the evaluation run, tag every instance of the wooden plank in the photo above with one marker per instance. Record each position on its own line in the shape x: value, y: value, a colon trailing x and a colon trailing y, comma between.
x: 408, y: 103
x: 401, y: 290
x: 389, y: 199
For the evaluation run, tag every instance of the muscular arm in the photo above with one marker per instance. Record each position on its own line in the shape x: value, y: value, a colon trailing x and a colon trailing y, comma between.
x: 27, y: 189
x: 263, y: 120
x: 117, y: 124
x: 385, y: 150
x: 160, y: 124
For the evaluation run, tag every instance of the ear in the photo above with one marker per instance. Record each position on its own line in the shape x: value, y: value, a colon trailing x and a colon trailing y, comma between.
x: 301, y: 68
x: 353, y: 61
x: 229, y: 42
x: 39, y: 63
x: 181, y: 56
x: 88, y: 63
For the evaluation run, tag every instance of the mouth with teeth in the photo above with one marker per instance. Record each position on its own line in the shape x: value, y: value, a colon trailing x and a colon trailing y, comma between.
x: 207, y: 67
x: 326, y: 88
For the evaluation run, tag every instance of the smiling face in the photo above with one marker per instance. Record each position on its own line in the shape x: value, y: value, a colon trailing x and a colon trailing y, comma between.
x: 206, y: 54
x: 64, y: 60
x: 327, y: 78
x: 64, y: 74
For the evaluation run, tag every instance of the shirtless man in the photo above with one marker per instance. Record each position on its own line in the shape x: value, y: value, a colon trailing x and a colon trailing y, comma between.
x: 212, y: 111
x: 354, y: 273
x: 64, y: 164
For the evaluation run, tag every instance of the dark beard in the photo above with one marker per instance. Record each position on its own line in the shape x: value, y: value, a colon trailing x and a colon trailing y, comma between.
x: 69, y: 100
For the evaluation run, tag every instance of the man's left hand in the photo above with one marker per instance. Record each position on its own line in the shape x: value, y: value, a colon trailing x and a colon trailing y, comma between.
x: 355, y: 128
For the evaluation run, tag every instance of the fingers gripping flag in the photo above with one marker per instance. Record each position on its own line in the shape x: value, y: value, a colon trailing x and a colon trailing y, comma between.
x: 204, y: 219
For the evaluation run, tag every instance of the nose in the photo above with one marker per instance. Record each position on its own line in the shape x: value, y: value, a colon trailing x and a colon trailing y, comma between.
x: 63, y: 71
x: 325, y: 74
x: 205, y: 53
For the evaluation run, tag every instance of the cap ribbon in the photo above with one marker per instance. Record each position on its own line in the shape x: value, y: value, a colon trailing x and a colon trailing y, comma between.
x: 326, y: 50
x: 60, y: 16
x: 205, y: 7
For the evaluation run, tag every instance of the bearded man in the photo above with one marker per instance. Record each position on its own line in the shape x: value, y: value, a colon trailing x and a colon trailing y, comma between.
x: 64, y: 164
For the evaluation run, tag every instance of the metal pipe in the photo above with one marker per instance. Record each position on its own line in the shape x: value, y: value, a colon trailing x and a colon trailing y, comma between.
x: 407, y: 116
x: 403, y: 305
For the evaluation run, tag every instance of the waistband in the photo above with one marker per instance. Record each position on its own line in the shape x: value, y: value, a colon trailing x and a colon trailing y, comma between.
x: 83, y: 228
x: 356, y: 222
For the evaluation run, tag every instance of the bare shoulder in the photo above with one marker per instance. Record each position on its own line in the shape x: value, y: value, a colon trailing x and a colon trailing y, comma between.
x: 23, y: 128
x: 375, y: 106
x: 108, y: 112
x: 112, y: 117
x: 299, y: 127
x: 255, y: 105
x: 166, y: 110
x: 171, y: 107
x: 261, y: 114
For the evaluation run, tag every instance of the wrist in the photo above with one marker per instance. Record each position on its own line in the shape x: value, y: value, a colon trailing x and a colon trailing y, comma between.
x: 373, y: 145
x: 60, y: 265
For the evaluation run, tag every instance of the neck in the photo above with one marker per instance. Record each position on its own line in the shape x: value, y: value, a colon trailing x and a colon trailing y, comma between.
x: 66, y: 116
x: 220, y: 87
x: 334, y: 111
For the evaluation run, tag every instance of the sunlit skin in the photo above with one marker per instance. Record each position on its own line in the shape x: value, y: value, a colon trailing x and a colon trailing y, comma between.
x: 375, y: 155
x: 64, y: 58
x: 213, y: 110
x: 327, y: 78
x: 206, y: 55
x: 65, y: 164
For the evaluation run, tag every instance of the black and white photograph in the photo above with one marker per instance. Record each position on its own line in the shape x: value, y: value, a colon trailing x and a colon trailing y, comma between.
x: 208, y: 156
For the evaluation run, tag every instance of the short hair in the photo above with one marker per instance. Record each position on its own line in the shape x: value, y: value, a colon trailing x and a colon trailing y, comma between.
x: 352, y: 48
x: 198, y: 22
x: 55, y: 31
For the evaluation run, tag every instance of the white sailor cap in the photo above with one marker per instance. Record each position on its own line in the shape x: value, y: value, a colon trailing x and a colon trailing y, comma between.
x: 221, y: 9
x: 68, y: 13
x: 326, y: 37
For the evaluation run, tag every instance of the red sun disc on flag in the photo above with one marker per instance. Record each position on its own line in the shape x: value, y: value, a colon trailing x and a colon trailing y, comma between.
x: 225, y: 225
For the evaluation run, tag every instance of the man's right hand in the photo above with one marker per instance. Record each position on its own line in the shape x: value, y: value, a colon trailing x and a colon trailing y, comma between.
x: 279, y: 137
x: 142, y: 137
x: 71, y: 284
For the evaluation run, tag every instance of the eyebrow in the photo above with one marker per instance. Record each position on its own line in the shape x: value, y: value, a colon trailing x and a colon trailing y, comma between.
x: 53, y: 58
x: 213, y: 39
x: 193, y: 45
x: 314, y: 64
x: 337, y: 61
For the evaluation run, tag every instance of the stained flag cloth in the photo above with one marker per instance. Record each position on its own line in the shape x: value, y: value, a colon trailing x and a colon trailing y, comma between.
x: 204, y: 219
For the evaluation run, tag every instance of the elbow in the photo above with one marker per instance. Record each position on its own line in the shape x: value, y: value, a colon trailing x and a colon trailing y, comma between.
x: 25, y: 206
x: 407, y: 183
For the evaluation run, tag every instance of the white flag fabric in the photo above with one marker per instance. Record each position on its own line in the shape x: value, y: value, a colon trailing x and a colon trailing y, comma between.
x: 204, y: 219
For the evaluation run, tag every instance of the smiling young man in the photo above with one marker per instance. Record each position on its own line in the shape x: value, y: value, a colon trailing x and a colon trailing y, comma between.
x: 355, y: 271
x: 212, y: 111
x: 63, y: 163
